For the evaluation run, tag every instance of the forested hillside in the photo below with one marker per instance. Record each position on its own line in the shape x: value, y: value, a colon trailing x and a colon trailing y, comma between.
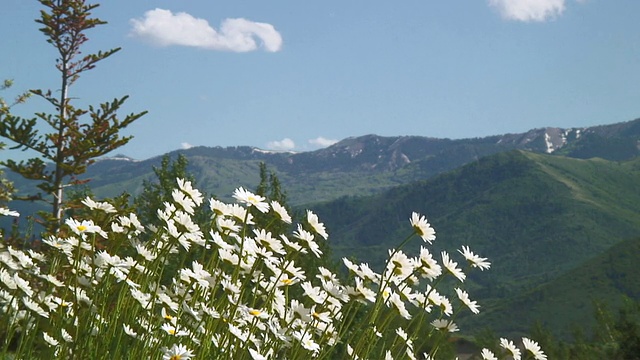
x: 536, y: 217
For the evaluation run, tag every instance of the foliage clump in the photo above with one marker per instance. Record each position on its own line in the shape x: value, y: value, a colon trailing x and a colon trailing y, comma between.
x: 73, y: 143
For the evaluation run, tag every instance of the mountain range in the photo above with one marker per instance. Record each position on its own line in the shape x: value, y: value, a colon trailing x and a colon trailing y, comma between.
x: 362, y: 165
x: 550, y: 208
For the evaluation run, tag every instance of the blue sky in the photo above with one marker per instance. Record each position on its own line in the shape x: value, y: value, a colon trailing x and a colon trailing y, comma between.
x: 298, y: 75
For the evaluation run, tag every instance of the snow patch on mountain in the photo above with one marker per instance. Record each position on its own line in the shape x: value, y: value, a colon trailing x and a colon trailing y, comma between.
x: 118, y: 157
x: 262, y: 151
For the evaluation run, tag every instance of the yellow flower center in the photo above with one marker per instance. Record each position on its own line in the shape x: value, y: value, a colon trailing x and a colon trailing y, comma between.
x: 397, y: 268
x: 82, y: 228
x: 287, y: 281
x: 175, y: 357
x: 255, y: 312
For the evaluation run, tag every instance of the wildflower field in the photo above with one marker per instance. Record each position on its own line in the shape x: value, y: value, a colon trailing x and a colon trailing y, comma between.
x: 238, y: 284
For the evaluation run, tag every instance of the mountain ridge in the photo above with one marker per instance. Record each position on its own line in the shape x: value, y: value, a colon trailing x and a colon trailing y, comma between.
x: 363, y: 165
x: 544, y: 139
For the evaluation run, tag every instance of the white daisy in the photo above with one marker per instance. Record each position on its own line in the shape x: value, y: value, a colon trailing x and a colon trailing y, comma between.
x: 307, y: 237
x: 429, y: 267
x: 104, y: 206
x: 281, y: 211
x: 219, y: 208
x: 367, y: 274
x: 306, y: 341
x: 534, y: 349
x: 353, y: 268
x: 474, y: 260
x: 129, y: 331
x: 509, y: 345
x: 172, y: 330
x: 422, y: 227
x: 445, y: 325
x: 145, y: 252
x: 49, y: 339
x: 183, y: 200
x: 66, y: 336
x: 85, y: 226
x: 363, y: 292
x: 464, y: 297
x: 22, y: 284
x: 240, y: 213
x: 227, y: 225
x: 488, y: 355
x: 452, y: 267
x: 400, y: 265
x: 293, y: 245
x: 25, y: 260
x: 317, y: 226
x: 35, y: 307
x: 6, y: 212
x: 265, y: 239
x: 397, y: 302
x: 255, y: 354
x: 314, y: 292
x: 251, y: 199
x: 52, y: 280
x: 194, y: 194
x: 177, y: 352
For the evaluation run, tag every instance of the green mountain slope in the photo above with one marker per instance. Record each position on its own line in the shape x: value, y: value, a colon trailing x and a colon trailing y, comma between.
x: 569, y: 300
x: 536, y: 217
x: 533, y: 215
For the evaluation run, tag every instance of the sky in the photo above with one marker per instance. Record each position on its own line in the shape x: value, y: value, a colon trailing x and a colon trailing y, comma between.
x: 302, y: 75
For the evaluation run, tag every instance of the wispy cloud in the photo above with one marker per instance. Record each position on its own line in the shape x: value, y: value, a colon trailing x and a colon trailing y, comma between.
x: 185, y: 145
x: 164, y: 28
x: 284, y: 144
x: 322, y: 142
x: 529, y: 10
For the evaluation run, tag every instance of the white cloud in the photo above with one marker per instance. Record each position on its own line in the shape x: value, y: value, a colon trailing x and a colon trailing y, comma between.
x: 284, y: 144
x: 164, y: 28
x: 185, y: 145
x: 322, y: 142
x: 529, y: 10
